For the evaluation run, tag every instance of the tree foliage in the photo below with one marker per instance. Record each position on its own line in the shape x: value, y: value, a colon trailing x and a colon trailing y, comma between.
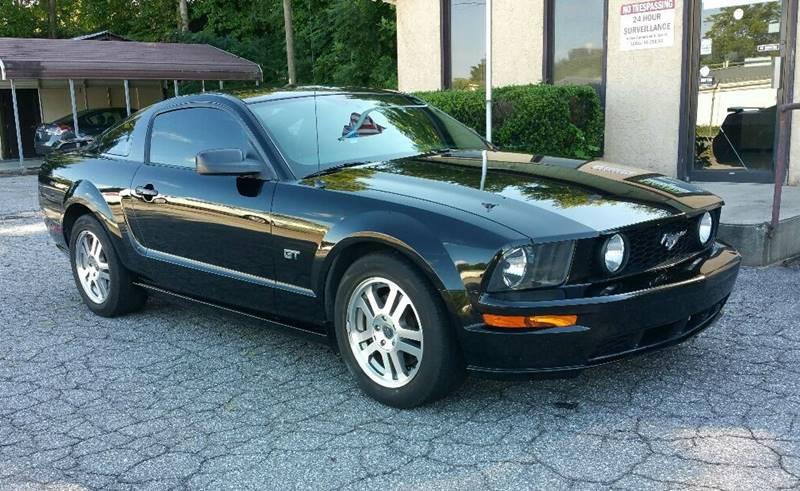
x: 337, y: 42
x: 737, y: 39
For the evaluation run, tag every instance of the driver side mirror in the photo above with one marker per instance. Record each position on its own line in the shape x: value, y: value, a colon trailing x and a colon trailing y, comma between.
x: 226, y: 161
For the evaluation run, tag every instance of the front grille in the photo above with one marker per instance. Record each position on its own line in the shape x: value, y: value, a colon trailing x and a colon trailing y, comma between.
x: 646, y: 250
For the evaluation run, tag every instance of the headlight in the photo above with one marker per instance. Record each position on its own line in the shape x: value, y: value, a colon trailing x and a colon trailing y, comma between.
x: 514, y: 266
x: 532, y: 266
x: 704, y: 228
x: 614, y: 253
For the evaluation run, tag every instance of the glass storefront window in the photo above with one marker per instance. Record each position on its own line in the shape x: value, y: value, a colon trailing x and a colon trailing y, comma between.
x: 467, y: 44
x: 577, y: 50
x: 737, y: 86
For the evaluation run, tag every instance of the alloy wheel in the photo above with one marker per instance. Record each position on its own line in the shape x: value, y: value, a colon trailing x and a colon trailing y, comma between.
x: 91, y: 264
x: 384, y: 332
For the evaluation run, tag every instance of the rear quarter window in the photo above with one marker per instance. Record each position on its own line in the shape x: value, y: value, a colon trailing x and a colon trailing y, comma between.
x: 117, y: 140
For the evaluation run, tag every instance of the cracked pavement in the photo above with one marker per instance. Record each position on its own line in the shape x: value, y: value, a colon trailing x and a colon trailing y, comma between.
x: 182, y: 396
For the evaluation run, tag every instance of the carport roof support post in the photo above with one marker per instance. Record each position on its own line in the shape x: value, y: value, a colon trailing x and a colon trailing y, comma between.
x: 16, y: 121
x: 127, y: 97
x: 74, y: 108
x: 175, y: 84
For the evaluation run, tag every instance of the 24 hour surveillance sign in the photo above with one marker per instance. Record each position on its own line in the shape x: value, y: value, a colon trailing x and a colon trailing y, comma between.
x: 647, y: 25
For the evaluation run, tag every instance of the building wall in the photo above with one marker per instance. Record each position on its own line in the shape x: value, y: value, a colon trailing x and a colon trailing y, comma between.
x: 643, y: 92
x: 419, y: 41
x: 56, y: 103
x: 643, y: 87
x: 518, y: 42
x: 518, y: 30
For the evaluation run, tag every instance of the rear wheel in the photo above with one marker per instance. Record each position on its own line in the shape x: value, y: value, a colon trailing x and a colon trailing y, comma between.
x: 104, y: 284
x: 394, y: 333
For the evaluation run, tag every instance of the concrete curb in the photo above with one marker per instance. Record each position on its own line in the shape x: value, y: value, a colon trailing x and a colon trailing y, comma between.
x: 761, y: 246
x: 19, y: 172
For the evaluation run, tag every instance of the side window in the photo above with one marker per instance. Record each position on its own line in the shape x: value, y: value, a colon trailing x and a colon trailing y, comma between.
x: 117, y: 140
x: 178, y: 136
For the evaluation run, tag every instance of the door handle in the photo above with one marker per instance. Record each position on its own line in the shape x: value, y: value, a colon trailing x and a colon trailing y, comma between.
x: 147, y: 192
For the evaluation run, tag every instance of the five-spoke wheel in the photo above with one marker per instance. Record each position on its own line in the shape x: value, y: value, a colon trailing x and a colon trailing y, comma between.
x: 394, y: 333
x: 92, y: 266
x: 385, y: 332
x: 103, y: 281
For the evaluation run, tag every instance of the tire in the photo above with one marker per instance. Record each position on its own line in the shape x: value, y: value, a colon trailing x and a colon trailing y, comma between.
x: 417, y: 341
x: 109, y: 290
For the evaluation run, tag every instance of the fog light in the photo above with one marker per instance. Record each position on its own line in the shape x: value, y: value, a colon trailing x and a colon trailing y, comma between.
x: 614, y: 253
x: 704, y: 228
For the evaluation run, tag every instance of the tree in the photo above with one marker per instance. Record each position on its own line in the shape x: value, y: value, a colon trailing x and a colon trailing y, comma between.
x: 287, y: 26
x: 737, y: 39
x: 51, y: 16
x: 335, y: 42
x: 183, y: 13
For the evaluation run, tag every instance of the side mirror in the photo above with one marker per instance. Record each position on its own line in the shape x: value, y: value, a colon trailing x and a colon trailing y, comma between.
x: 230, y: 161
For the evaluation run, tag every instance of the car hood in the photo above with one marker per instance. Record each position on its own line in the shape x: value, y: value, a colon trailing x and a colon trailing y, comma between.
x: 542, y: 198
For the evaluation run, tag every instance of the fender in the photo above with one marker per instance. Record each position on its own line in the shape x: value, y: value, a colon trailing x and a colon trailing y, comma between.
x: 110, y: 215
x: 85, y: 193
x: 409, y: 236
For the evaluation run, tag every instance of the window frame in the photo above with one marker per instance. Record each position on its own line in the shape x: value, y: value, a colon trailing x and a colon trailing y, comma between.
x: 548, y: 47
x: 251, y: 138
x: 447, y: 53
x: 446, y: 19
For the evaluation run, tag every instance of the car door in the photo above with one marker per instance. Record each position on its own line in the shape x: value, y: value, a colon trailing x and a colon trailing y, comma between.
x: 208, y: 236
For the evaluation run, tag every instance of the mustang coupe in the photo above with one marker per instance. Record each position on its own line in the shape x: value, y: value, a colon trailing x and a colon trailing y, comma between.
x: 381, y: 224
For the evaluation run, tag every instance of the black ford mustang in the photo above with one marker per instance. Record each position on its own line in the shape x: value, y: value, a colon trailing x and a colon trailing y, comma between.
x: 364, y: 217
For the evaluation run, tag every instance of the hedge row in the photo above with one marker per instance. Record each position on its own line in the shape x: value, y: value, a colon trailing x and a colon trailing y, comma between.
x: 559, y: 120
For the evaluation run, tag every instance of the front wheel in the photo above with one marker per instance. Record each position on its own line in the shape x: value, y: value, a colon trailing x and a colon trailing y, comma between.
x: 394, y: 333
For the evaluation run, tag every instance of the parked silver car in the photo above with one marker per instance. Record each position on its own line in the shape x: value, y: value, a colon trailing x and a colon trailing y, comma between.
x: 60, y: 134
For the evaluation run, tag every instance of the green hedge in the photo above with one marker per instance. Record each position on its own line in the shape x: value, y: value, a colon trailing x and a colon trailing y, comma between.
x: 559, y: 120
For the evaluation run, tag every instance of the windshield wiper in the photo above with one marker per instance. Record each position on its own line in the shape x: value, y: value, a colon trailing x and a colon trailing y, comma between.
x: 330, y: 170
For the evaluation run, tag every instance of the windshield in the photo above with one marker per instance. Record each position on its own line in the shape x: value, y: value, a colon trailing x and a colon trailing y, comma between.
x: 354, y: 128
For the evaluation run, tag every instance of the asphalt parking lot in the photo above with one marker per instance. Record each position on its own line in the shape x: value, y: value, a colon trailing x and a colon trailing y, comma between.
x: 186, y: 397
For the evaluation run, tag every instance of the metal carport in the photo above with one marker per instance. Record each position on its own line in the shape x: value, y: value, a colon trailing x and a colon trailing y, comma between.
x: 77, y: 59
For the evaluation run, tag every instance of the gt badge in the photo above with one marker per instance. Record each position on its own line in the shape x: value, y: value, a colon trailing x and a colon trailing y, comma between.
x: 291, y: 254
x: 669, y: 240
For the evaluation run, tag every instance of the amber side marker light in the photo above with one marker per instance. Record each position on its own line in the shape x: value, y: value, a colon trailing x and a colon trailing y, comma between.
x: 529, y: 321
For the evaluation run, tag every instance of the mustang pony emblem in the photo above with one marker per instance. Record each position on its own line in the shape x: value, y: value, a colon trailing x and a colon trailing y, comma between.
x: 669, y: 240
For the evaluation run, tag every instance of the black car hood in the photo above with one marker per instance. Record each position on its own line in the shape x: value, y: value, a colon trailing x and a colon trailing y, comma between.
x: 544, y: 199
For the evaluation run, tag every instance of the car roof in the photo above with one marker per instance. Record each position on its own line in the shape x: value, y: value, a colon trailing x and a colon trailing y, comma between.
x: 252, y: 96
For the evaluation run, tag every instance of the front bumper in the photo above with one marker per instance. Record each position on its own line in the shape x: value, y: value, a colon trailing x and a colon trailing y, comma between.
x: 609, y: 327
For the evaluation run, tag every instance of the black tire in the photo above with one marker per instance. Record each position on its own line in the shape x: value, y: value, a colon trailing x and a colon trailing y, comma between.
x: 441, y: 368
x: 123, y: 296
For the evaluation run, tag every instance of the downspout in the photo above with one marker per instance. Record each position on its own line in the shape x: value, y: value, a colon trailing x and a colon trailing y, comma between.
x: 2, y: 70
